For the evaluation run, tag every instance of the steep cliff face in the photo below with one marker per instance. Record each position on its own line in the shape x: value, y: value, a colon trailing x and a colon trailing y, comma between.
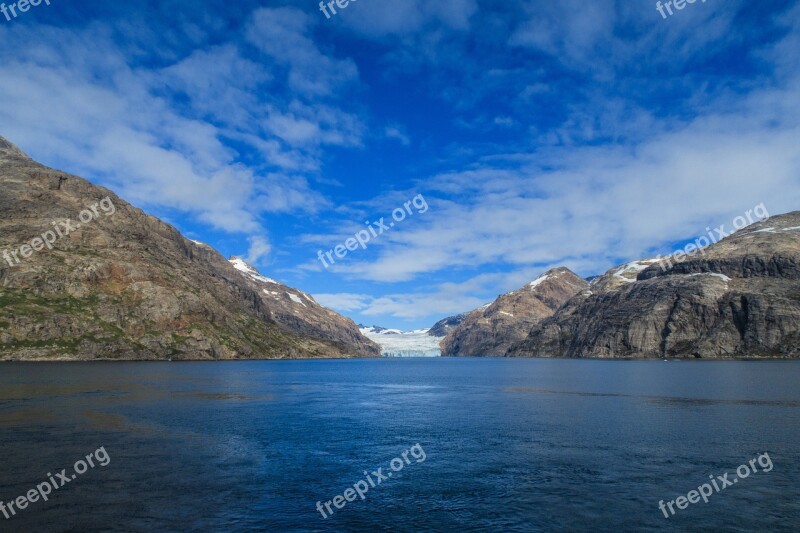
x: 493, y: 329
x: 84, y: 275
x: 297, y: 311
x: 738, y: 298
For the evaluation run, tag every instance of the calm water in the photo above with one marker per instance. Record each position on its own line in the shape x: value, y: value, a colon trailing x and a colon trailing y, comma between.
x: 510, y: 445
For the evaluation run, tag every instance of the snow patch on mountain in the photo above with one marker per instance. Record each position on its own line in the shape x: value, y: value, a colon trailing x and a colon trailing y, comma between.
x: 295, y: 299
x: 240, y: 265
x: 632, y: 269
x: 538, y: 281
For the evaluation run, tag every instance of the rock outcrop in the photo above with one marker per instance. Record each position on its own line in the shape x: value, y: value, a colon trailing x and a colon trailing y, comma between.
x: 443, y: 327
x: 84, y: 275
x: 494, y: 328
x: 739, y: 297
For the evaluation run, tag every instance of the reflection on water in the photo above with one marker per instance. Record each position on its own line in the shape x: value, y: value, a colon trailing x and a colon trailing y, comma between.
x: 512, y: 445
x: 662, y: 399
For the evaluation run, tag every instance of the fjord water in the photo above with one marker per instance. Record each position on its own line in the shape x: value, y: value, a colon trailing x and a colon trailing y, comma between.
x: 510, y: 444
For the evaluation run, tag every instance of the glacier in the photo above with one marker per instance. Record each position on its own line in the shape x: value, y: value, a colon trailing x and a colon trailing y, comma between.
x: 396, y: 343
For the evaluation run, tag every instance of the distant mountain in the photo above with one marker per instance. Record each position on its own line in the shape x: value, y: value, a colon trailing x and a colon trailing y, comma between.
x: 494, y: 328
x: 443, y: 327
x: 738, y: 298
x: 396, y: 343
x: 378, y: 329
x: 116, y: 283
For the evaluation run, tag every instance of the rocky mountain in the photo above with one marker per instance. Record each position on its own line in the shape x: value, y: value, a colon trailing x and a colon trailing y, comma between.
x: 296, y: 311
x: 85, y: 275
x: 494, y: 328
x: 443, y: 327
x: 739, y: 297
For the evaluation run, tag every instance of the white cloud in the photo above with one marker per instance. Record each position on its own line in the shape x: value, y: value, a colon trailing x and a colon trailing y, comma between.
x: 285, y: 193
x: 411, y: 306
x: 259, y: 250
x: 283, y: 34
x: 310, y: 125
x: 344, y: 302
x: 596, y: 37
x: 395, y: 132
x: 99, y: 116
x: 387, y: 19
x: 592, y: 206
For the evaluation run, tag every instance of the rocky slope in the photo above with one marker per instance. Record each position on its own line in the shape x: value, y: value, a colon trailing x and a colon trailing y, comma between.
x: 494, y: 328
x: 443, y: 327
x: 115, y: 283
x: 297, y: 311
x: 738, y: 298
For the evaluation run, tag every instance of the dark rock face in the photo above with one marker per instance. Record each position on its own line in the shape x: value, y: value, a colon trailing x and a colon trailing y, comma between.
x: 125, y: 285
x: 493, y: 329
x: 443, y: 327
x: 296, y: 311
x: 738, y: 298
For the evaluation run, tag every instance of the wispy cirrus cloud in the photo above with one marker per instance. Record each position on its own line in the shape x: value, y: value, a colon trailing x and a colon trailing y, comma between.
x: 590, y: 208
x: 160, y: 135
x: 284, y: 35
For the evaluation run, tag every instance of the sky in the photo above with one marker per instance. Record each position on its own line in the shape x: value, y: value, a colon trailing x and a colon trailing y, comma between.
x: 526, y: 135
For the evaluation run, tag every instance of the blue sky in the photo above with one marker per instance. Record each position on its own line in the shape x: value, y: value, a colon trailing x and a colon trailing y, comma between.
x: 540, y: 133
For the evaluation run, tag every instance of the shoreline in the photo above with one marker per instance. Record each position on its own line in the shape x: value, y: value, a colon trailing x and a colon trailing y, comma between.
x: 531, y: 358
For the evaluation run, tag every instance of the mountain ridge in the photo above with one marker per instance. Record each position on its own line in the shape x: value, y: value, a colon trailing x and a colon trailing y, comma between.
x: 738, y: 298
x: 493, y: 328
x: 126, y: 285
